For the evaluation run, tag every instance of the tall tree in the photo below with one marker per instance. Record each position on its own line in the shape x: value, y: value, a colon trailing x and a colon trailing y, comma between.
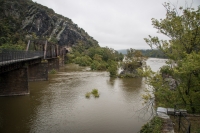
x: 183, y: 50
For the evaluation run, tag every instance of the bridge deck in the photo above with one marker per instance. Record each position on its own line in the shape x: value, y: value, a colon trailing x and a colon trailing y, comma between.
x: 13, y: 56
x: 3, y: 63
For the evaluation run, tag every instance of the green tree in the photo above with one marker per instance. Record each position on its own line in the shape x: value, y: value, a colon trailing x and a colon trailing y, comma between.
x: 182, y: 49
x: 112, y: 68
x: 98, y: 58
x: 134, y: 59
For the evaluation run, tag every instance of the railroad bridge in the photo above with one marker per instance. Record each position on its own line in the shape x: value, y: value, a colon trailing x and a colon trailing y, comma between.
x: 18, y: 67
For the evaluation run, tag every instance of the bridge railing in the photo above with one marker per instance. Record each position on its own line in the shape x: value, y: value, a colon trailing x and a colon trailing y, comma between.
x: 9, y: 56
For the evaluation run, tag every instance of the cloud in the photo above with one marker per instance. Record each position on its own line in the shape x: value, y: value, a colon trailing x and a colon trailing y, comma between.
x: 119, y: 24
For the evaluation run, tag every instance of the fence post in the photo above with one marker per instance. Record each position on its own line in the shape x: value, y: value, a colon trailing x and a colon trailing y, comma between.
x: 189, y: 128
x: 174, y: 111
x: 179, y: 121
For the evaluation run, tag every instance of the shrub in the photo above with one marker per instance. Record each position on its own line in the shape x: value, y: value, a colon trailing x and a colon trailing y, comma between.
x: 87, y: 95
x: 154, y: 126
x: 53, y: 71
x: 94, y: 65
x: 94, y: 91
x: 83, y: 61
x: 96, y: 95
x: 70, y: 58
x: 112, y: 68
x: 166, y: 70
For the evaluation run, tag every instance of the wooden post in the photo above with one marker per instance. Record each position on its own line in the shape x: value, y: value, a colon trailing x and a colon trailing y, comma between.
x: 45, y: 50
x: 57, y: 54
x: 28, y: 45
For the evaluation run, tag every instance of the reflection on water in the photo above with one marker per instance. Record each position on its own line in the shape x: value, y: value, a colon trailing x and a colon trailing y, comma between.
x: 59, y: 105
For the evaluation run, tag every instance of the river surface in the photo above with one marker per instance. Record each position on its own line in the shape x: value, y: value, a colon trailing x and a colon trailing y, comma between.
x: 60, y: 106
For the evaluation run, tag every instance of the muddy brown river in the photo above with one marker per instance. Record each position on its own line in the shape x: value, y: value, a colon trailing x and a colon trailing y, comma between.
x: 60, y: 106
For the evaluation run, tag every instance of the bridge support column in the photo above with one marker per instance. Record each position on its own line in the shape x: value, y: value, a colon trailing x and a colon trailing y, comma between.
x: 38, y: 72
x: 53, y: 64
x: 61, y: 61
x: 14, y: 82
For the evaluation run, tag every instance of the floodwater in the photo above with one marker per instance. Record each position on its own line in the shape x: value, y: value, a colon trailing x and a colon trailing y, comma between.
x: 60, y: 106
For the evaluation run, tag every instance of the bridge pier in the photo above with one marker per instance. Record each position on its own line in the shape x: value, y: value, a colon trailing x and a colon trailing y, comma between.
x: 61, y: 61
x: 53, y: 63
x: 14, y: 82
x: 38, y: 72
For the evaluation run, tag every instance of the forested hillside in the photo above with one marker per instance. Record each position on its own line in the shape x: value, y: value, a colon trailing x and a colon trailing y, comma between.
x: 21, y: 20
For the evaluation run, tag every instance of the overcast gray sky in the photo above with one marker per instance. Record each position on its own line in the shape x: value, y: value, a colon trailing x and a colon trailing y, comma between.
x: 118, y: 24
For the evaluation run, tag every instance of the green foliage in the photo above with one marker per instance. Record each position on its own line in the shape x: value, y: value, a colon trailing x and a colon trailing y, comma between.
x: 53, y: 71
x: 94, y: 65
x: 183, y: 52
x: 53, y: 40
x: 83, y: 60
x: 96, y: 95
x: 102, y: 66
x: 166, y: 70
x: 12, y: 47
x: 44, y: 61
x: 134, y: 60
x: 120, y: 56
x: 131, y: 65
x: 154, y: 126
x: 182, y: 31
x: 97, y: 58
x: 112, y: 68
x: 70, y: 58
x: 87, y: 95
x: 94, y: 92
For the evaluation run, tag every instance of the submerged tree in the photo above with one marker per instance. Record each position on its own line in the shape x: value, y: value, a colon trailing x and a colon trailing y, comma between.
x: 183, y: 51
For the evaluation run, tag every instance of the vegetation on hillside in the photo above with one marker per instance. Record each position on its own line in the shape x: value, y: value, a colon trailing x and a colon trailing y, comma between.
x: 153, y: 126
x: 21, y: 20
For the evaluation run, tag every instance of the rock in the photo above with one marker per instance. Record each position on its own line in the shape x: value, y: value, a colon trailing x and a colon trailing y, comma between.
x: 162, y: 115
x: 170, y: 111
x: 128, y: 73
x: 167, y: 123
x: 162, y: 110
x: 171, y: 82
x: 167, y: 126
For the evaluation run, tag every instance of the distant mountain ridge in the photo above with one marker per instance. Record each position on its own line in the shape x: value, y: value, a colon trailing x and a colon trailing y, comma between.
x: 147, y: 52
x: 123, y: 51
x: 21, y: 19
